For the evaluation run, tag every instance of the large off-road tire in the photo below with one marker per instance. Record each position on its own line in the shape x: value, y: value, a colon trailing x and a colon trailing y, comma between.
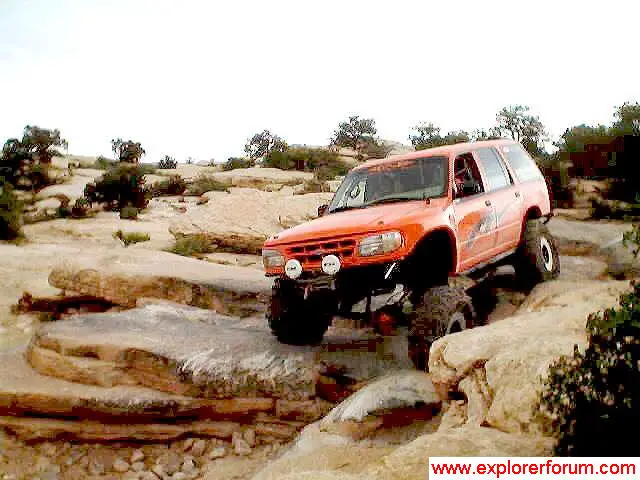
x: 442, y: 310
x: 295, y: 320
x: 537, y: 259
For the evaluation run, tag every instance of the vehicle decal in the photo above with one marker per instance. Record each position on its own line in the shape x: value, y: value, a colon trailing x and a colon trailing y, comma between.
x: 478, y: 223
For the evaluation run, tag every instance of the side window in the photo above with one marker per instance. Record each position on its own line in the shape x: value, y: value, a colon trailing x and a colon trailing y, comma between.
x: 467, y: 177
x: 524, y: 166
x: 497, y: 175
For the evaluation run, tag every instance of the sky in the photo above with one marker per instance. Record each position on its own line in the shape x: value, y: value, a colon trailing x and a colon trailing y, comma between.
x: 197, y: 78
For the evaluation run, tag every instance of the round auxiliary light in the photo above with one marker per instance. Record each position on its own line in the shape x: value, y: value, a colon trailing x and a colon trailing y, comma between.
x: 293, y: 268
x: 330, y: 264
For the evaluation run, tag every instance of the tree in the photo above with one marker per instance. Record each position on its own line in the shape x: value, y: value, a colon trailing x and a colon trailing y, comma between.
x: 427, y: 135
x: 10, y: 211
x: 168, y: 162
x: 355, y: 133
x: 627, y: 118
x: 263, y: 144
x: 127, y: 150
x: 24, y: 162
x: 516, y: 123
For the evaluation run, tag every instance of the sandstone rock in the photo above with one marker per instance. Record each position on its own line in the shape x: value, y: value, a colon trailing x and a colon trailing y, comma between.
x: 622, y: 262
x: 137, y: 466
x: 198, y: 448
x: 236, y: 259
x: 121, y: 465
x: 241, y: 221
x: 23, y: 391
x: 249, y: 436
x: 261, y: 178
x: 240, y: 446
x: 499, y: 366
x: 122, y: 276
x: 217, y: 452
x: 182, y: 356
x: 137, y: 456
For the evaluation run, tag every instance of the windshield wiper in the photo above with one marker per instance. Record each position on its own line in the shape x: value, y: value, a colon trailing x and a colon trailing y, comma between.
x: 343, y: 208
x: 389, y: 200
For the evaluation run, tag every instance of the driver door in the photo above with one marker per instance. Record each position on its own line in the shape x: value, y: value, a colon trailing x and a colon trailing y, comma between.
x: 474, y: 215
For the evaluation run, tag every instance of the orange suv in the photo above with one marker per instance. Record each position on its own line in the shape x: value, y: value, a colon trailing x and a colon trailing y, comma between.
x: 400, y: 227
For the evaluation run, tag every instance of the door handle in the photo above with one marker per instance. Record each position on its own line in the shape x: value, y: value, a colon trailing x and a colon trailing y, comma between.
x: 487, y: 203
x: 517, y: 194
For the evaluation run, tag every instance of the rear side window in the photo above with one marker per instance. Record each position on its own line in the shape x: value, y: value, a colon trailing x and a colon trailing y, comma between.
x: 497, y: 175
x: 524, y: 166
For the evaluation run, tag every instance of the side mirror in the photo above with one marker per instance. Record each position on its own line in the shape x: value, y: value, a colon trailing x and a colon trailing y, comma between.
x: 322, y: 209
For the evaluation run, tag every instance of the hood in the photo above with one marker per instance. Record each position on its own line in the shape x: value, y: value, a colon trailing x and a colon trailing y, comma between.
x: 356, y: 221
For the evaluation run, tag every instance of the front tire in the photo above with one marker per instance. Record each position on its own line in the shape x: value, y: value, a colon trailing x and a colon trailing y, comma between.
x: 295, y: 320
x: 537, y: 259
x: 441, y: 311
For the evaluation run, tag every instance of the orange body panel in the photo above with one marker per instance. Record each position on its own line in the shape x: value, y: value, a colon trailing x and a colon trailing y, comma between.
x: 481, y: 226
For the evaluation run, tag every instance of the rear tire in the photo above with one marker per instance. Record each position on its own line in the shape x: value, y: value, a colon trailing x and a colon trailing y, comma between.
x: 294, y: 320
x: 441, y: 311
x: 537, y: 259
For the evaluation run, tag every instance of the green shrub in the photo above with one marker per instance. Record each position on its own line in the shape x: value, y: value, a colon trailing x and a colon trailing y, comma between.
x: 131, y: 237
x: 122, y: 185
x: 10, y: 212
x: 589, y: 399
x: 192, y: 246
x: 103, y: 163
x: 174, y: 185
x: 614, y: 209
x: 80, y: 208
x: 206, y: 183
x: 168, y: 162
x: 237, y: 162
x: 129, y: 213
x: 324, y: 163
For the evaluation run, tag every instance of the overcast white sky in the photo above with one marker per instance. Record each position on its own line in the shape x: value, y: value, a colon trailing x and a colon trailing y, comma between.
x: 196, y: 78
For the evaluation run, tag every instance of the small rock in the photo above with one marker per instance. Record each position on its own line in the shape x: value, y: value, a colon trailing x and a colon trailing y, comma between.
x: 158, y: 470
x: 49, y: 449
x: 130, y: 476
x: 137, y: 456
x: 249, y: 436
x: 179, y: 476
x: 188, y: 443
x: 137, y: 466
x: 198, y: 448
x: 189, y: 465
x: 147, y: 476
x: 240, y: 446
x: 120, y: 465
x: 96, y: 468
x: 217, y: 452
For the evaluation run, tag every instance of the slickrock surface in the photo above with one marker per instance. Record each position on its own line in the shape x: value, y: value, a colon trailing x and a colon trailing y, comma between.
x: 124, y: 275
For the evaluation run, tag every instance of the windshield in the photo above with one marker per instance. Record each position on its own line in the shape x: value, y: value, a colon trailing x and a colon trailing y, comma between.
x: 404, y: 180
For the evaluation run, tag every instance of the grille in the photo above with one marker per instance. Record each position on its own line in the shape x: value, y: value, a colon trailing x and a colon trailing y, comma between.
x: 310, y: 255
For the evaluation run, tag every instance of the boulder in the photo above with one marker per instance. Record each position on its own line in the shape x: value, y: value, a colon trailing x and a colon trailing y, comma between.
x: 242, y: 220
x: 395, y: 399
x: 572, y: 234
x: 166, y: 350
x: 499, y: 367
x: 622, y: 262
x: 124, y: 275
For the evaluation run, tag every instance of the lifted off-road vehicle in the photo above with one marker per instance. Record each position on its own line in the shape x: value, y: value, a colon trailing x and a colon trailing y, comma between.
x: 401, y: 226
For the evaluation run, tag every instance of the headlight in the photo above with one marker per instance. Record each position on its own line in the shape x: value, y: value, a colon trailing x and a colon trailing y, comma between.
x: 272, y: 258
x: 380, y: 244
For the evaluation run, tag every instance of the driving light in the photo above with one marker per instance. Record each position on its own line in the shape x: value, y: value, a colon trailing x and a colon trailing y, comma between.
x: 293, y: 268
x: 330, y: 264
x: 272, y: 258
x: 380, y: 244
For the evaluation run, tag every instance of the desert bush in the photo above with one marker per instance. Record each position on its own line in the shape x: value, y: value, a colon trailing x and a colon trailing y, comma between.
x: 168, y: 162
x: 205, y: 183
x: 103, y: 163
x: 174, y: 185
x: 80, y: 208
x: 237, y: 162
x: 10, y: 212
x: 614, y: 209
x: 122, y: 185
x: 130, y: 238
x: 129, y: 213
x: 192, y: 246
x: 324, y: 163
x: 589, y: 399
